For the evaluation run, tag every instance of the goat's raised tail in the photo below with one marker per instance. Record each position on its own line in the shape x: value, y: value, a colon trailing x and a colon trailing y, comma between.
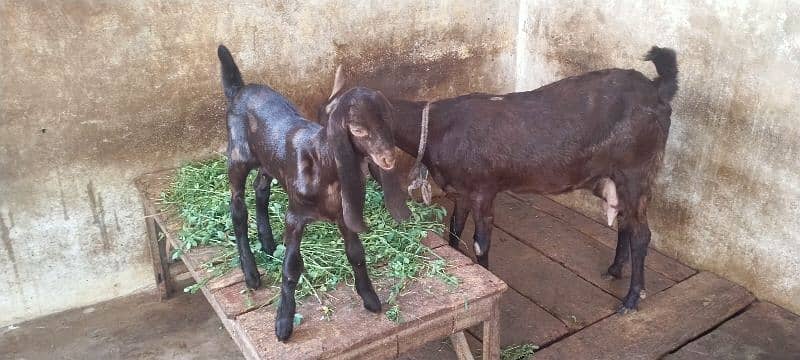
x: 231, y: 77
x: 667, y: 68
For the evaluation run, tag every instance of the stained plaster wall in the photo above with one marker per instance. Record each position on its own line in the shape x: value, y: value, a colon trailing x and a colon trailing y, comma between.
x: 94, y: 93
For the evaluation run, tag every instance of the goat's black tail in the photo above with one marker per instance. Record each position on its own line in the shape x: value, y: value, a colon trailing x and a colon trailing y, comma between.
x: 667, y: 68
x: 231, y: 77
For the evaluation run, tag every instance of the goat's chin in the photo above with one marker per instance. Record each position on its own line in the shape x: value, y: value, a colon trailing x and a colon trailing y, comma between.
x: 386, y: 167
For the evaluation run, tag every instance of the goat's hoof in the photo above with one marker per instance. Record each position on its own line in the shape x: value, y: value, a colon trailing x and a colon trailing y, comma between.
x: 283, y: 329
x: 613, y: 273
x: 623, y: 310
x: 270, y: 250
x: 630, y: 304
x: 608, y: 277
x: 372, y: 302
x: 400, y: 215
x: 252, y: 281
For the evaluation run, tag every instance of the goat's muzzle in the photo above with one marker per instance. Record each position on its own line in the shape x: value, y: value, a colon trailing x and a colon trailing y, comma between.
x: 385, y: 160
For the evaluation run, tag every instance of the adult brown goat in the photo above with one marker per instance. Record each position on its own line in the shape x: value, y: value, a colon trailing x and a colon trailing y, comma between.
x: 320, y: 168
x: 604, y: 131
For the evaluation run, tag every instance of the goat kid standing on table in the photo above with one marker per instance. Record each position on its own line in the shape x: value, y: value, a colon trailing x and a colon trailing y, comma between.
x: 319, y: 166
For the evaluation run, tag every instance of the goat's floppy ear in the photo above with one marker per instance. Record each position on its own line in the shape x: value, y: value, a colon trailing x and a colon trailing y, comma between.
x: 338, y: 82
x: 395, y: 195
x: 351, y: 181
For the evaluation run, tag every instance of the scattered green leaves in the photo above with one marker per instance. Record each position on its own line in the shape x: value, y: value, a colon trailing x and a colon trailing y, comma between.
x: 298, y: 318
x: 394, y: 314
x: 200, y: 195
x: 518, y: 352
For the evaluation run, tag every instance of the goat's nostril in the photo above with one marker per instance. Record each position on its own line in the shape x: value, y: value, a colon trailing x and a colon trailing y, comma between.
x: 387, y: 162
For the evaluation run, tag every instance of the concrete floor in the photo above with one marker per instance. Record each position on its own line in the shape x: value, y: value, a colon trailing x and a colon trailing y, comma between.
x: 140, y: 327
x: 135, y: 327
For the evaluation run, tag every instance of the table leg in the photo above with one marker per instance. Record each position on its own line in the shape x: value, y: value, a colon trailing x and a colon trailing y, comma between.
x: 491, y: 334
x: 160, y: 259
x: 461, y: 347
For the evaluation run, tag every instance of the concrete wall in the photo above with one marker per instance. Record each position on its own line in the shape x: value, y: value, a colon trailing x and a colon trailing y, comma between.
x: 93, y: 93
x: 728, y: 198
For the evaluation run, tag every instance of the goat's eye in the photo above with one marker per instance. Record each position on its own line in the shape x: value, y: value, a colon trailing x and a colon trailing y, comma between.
x: 357, y: 131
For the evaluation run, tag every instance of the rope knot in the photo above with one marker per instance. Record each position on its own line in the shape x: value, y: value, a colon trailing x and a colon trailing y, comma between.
x: 419, y: 173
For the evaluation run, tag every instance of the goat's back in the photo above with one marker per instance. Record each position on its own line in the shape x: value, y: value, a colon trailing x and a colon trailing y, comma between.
x: 268, y: 125
x: 561, y: 133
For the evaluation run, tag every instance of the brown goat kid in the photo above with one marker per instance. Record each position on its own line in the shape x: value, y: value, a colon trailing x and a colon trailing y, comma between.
x: 320, y: 168
x: 604, y: 131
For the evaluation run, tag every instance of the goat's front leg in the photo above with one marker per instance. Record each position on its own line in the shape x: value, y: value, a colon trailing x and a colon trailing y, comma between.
x: 262, y: 188
x: 237, y: 173
x: 292, y: 269
x: 355, y: 255
x: 483, y: 215
x: 458, y: 219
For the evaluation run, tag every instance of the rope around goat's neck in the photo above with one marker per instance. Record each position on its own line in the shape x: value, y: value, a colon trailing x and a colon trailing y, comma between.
x: 421, y: 180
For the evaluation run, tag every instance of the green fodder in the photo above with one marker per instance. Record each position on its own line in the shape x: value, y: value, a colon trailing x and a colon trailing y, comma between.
x: 200, y: 194
x: 518, y: 352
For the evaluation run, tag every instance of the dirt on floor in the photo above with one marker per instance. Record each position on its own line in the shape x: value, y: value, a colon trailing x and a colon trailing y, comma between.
x: 134, y: 327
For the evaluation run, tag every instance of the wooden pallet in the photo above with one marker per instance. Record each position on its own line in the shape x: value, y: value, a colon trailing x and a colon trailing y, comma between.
x: 431, y: 310
x: 552, y: 257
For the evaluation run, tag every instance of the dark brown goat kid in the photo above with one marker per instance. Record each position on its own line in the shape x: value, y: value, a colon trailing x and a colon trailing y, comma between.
x: 320, y: 168
x: 603, y: 131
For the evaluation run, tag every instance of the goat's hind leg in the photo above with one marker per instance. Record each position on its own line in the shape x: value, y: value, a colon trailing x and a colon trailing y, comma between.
x: 458, y: 219
x: 635, y: 224
x: 237, y: 173
x: 606, y: 189
x: 292, y: 269
x: 483, y: 216
x: 622, y: 254
x: 261, y: 185
x: 355, y: 255
x: 639, y: 239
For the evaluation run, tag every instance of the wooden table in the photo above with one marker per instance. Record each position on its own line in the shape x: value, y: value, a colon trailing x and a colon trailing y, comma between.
x: 431, y: 310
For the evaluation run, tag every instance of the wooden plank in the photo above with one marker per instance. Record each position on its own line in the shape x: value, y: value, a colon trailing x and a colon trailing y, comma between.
x: 524, y: 322
x: 574, y: 218
x: 491, y: 335
x: 161, y: 272
x: 427, y: 303
x: 237, y: 299
x: 668, y: 320
x: 554, y: 288
x: 433, y: 241
x: 764, y: 331
x: 431, y: 309
x: 573, y: 301
x: 434, y: 350
x: 578, y: 252
x: 461, y: 346
x: 235, y: 276
x: 664, y: 265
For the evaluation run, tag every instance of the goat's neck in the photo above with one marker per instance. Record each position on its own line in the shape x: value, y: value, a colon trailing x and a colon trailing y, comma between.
x: 407, y: 125
x: 323, y: 151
